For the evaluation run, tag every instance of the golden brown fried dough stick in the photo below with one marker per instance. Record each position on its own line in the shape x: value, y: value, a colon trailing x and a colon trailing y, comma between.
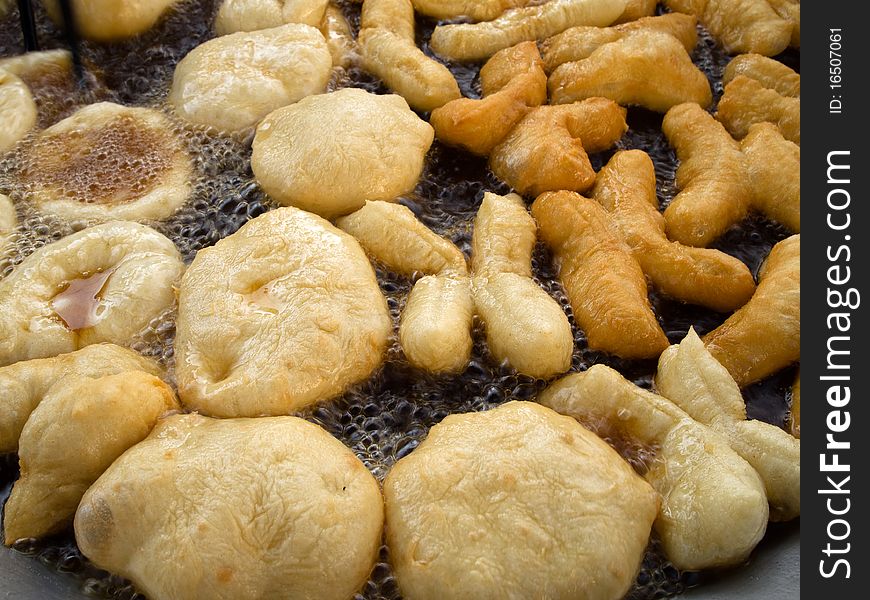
x: 603, y: 281
x: 578, y: 43
x: 512, y: 82
x: 626, y: 187
x: 794, y: 420
x: 547, y: 149
x: 746, y: 102
x: 339, y: 36
x: 524, y: 325
x: 765, y: 335
x: 714, y: 193
x: 476, y: 10
x: 478, y: 41
x: 774, y: 166
x: 644, y: 68
x: 636, y: 10
x: 770, y: 73
x: 790, y: 10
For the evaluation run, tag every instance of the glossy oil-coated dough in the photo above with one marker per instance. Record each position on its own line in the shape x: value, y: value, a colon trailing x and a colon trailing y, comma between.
x: 284, y: 313
x: 691, y: 378
x: 47, y: 306
x: 108, y: 161
x: 476, y: 10
x: 765, y: 335
x: 516, y: 502
x: 790, y: 10
x: 770, y: 73
x: 645, y: 68
x: 328, y: 154
x: 78, y: 430
x: 253, y: 15
x: 547, y: 150
x: 17, y: 110
x: 747, y: 101
x: 626, y: 187
x: 774, y: 167
x: 233, y: 81
x: 339, y: 36
x: 603, y: 281
x: 24, y: 384
x: 478, y: 41
x: 637, y: 9
x: 236, y: 509
x: 111, y: 20
x: 8, y: 222
x: 524, y: 326
x: 714, y: 510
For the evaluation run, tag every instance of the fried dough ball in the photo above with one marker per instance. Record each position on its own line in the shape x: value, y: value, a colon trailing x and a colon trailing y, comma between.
x: 233, y: 81
x: 714, y: 510
x: 714, y: 191
x: 790, y: 10
x: 765, y: 335
x: 747, y: 101
x: 479, y: 41
x: 626, y: 187
x: 8, y: 221
x: 284, y: 313
x: 770, y: 73
x: 524, y: 325
x: 476, y: 10
x: 515, y: 502
x: 578, y: 43
x: 253, y: 15
x: 388, y: 50
x: 17, y: 110
x: 339, y: 36
x: 546, y: 151
x: 435, y: 332
x: 637, y: 9
x: 645, y: 68
x: 24, y: 384
x: 328, y: 154
x: 794, y: 420
x: 741, y: 26
x: 111, y: 20
x: 106, y: 162
x: 102, y: 284
x: 78, y: 430
x: 603, y: 281
x: 512, y: 81
x: 774, y: 166
x: 235, y: 509
x: 691, y: 378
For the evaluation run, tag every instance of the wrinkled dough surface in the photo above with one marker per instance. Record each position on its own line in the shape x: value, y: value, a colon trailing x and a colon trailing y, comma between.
x: 747, y: 101
x: 637, y: 9
x: 328, y: 154
x: 235, y: 509
x: 17, y: 110
x: 476, y: 10
x: 774, y: 167
x: 770, y: 73
x: 296, y: 308
x: 339, y: 36
x: 253, y: 15
x: 790, y: 10
x: 111, y: 20
x: 515, y: 502
x: 233, y: 81
x: 103, y: 284
x: 8, y: 222
x: 78, y: 430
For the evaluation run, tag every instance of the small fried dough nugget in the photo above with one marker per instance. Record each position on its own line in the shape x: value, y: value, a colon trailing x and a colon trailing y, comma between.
x: 645, y: 68
x: 714, y: 510
x: 476, y: 10
x: 747, y: 101
x: 765, y: 335
x: 770, y: 73
x: 235, y: 509
x: 714, y: 191
x: 547, y: 149
x: 691, y: 378
x: 339, y: 36
x: 636, y: 10
x: 78, y: 430
x: 512, y: 81
x: 515, y: 502
x: 253, y: 15
x: 794, y: 418
x: 111, y: 20
x: 524, y: 325
x: 24, y: 384
x: 774, y: 167
x: 17, y: 110
x: 479, y: 41
x: 603, y: 281
x: 388, y: 49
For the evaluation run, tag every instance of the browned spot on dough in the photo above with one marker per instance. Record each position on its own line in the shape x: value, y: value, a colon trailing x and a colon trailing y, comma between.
x: 224, y: 575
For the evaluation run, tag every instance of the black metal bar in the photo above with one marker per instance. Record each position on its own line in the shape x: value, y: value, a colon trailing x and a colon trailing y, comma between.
x: 70, y: 33
x: 28, y: 26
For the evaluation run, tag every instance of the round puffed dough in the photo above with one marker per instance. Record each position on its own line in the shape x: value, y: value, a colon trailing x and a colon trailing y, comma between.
x: 284, y: 313
x: 17, y: 110
x: 235, y: 509
x: 107, y: 162
x: 111, y: 20
x: 517, y: 502
x: 328, y: 154
x: 253, y: 15
x: 233, y: 81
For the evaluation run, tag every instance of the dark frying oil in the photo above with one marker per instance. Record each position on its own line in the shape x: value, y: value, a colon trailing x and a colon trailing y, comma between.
x: 385, y: 418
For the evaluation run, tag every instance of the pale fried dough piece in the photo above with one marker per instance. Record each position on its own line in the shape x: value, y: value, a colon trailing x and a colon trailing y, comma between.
x: 636, y: 10
x: 645, y: 68
x: 339, y: 36
x: 253, y: 15
x: 770, y: 73
x: 578, y: 43
x: 524, y: 325
x: 602, y: 279
x: 774, y: 166
x: 8, y: 221
x: 476, y: 10
x: 512, y: 82
x: 791, y: 11
x: 765, y: 335
x: 547, y: 149
x: 17, y: 110
x: 714, y: 193
x: 626, y: 187
x: 111, y: 20
x: 478, y: 41
x: 794, y: 419
x: 691, y: 378
x: 747, y: 101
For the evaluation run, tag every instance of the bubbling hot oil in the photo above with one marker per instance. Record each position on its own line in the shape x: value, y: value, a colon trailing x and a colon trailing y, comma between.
x: 385, y: 418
